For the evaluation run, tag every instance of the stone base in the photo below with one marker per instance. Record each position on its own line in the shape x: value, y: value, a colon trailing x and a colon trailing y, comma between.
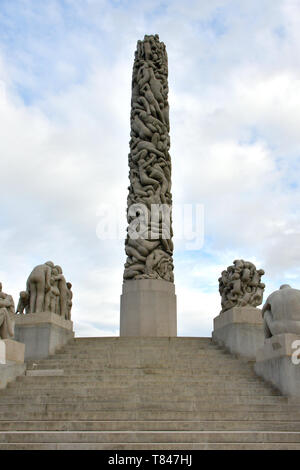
x: 240, y: 331
x: 11, y: 351
x: 148, y: 308
x: 274, y: 362
x: 43, y: 333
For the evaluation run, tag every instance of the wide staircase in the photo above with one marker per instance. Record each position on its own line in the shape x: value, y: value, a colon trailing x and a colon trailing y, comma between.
x: 145, y: 393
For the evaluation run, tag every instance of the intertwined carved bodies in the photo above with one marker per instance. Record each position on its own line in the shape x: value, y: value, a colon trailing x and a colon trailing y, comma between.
x: 46, y: 290
x: 240, y: 285
x: 150, y: 163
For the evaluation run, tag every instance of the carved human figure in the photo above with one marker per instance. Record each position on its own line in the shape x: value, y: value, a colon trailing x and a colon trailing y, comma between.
x: 52, y: 296
x: 69, y: 302
x: 23, y: 303
x: 38, y: 284
x: 63, y: 292
x: 7, y: 311
x: 281, y: 311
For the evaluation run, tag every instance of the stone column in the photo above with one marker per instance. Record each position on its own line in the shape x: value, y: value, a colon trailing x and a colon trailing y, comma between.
x: 148, y: 301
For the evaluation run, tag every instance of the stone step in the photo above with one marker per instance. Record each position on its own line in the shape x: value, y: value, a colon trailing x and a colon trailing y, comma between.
x: 162, y: 364
x: 142, y: 340
x: 150, y: 436
x: 48, y: 413
x: 117, y: 446
x: 187, y: 400
x: 266, y: 404
x: 113, y: 379
x: 212, y: 425
x: 144, y: 343
x: 91, y: 387
x: 187, y: 349
x: 148, y: 356
x: 168, y: 371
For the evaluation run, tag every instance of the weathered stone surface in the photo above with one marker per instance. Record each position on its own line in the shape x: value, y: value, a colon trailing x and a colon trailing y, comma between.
x: 240, y: 331
x: 46, y: 291
x: 43, y: 333
x: 9, y: 372
x: 148, y: 308
x: 281, y: 312
x: 7, y: 314
x: 240, y: 285
x: 149, y: 245
x: 276, y: 364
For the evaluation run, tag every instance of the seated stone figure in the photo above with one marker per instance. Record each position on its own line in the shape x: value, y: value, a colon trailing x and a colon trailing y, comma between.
x: 7, y: 310
x: 281, y: 312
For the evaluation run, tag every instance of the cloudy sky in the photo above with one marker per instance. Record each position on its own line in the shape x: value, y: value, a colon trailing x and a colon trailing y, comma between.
x: 65, y: 80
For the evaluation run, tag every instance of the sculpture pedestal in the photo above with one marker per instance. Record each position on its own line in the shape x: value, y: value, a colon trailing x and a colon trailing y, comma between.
x: 148, y: 308
x: 240, y: 331
x: 274, y: 362
x: 43, y: 333
x: 11, y: 361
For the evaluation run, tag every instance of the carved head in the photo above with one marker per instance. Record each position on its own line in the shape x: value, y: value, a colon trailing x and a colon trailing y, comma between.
x: 285, y: 286
x: 24, y: 295
x: 50, y: 263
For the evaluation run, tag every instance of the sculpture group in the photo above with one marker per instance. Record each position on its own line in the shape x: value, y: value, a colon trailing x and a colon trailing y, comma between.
x: 240, y: 285
x: 46, y: 291
x: 149, y: 255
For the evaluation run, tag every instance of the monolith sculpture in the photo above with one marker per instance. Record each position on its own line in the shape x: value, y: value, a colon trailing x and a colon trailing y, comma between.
x: 148, y: 301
